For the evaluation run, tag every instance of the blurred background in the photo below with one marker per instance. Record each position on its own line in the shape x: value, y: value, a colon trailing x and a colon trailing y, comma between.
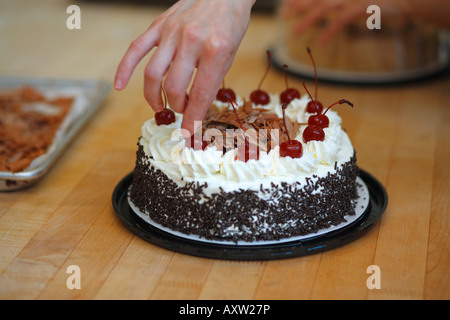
x: 404, y: 49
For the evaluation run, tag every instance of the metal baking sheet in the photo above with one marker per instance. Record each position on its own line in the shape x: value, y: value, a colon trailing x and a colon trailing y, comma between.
x: 88, y: 96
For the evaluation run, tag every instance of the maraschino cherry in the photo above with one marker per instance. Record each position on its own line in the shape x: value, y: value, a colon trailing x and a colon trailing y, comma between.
x: 249, y: 151
x: 290, y: 93
x: 320, y: 119
x: 313, y: 132
x: 314, y: 105
x: 259, y: 96
x: 225, y: 94
x: 166, y: 116
x: 290, y: 148
x: 316, y: 123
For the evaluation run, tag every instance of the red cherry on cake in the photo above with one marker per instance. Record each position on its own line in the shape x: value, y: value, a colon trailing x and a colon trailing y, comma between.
x: 290, y: 148
x: 166, y: 116
x: 225, y: 94
x: 321, y: 119
x: 316, y: 123
x: 314, y: 106
x: 290, y: 93
x: 313, y: 133
x: 259, y: 96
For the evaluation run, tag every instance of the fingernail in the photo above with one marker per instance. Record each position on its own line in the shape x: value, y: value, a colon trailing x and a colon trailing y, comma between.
x: 158, y: 108
x: 118, y: 84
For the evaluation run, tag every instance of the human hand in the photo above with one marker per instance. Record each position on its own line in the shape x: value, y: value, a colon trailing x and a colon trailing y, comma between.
x: 201, y: 35
x: 347, y: 12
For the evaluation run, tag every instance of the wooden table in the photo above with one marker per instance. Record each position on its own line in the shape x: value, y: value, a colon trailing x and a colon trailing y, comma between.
x: 401, y: 134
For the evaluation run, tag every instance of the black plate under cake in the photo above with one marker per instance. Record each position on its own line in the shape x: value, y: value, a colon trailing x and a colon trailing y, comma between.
x: 378, y: 200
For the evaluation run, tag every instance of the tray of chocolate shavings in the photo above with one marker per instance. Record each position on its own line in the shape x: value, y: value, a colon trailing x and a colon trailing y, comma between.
x: 39, y: 117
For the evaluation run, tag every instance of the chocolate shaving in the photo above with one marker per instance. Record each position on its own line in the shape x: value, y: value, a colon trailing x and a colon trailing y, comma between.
x: 26, y: 131
x: 262, y: 121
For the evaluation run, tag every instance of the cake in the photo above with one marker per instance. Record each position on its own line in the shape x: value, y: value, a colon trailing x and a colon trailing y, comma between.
x: 209, y: 192
x: 401, y: 46
x: 274, y: 167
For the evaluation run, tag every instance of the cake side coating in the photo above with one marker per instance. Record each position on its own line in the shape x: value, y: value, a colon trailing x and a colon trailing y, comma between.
x: 280, y: 211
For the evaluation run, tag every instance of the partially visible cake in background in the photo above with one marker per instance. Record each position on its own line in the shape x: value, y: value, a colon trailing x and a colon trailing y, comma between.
x: 401, y: 45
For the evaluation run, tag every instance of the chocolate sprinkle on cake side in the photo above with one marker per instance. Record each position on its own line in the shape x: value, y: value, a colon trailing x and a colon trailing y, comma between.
x: 289, y: 209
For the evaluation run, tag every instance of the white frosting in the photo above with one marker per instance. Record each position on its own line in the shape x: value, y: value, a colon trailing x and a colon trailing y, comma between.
x: 167, y: 148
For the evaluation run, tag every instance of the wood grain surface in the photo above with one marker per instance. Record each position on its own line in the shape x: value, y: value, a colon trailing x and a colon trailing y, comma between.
x: 401, y: 134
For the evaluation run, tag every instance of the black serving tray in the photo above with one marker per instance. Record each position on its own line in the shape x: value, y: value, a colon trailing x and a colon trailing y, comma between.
x: 314, y: 244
